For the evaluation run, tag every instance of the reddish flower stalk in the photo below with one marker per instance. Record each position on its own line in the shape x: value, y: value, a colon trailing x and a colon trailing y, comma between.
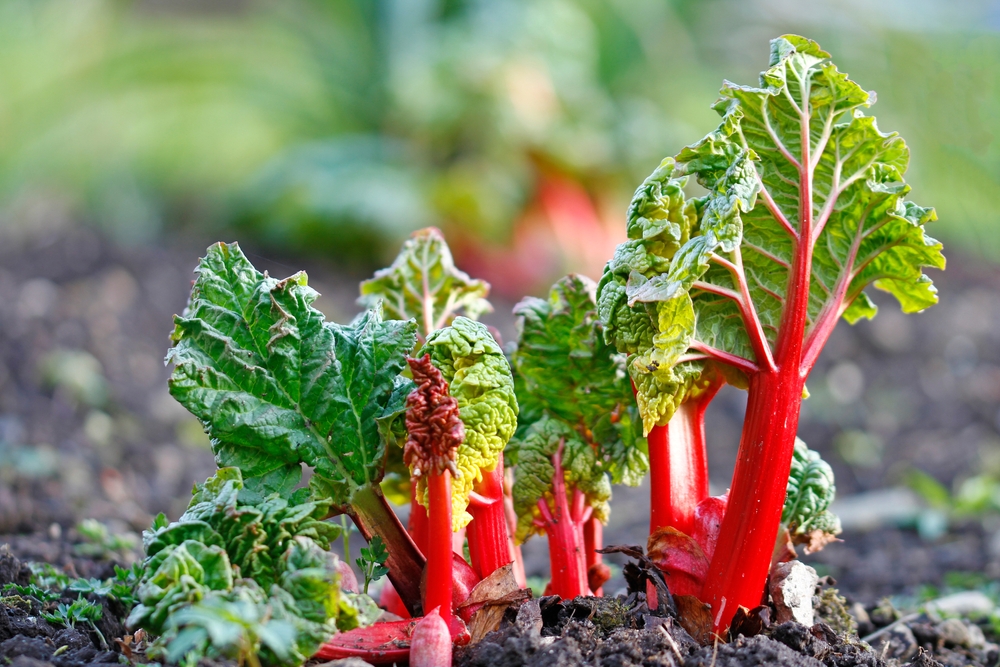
x: 435, y: 433
x: 511, y: 516
x: 563, y: 524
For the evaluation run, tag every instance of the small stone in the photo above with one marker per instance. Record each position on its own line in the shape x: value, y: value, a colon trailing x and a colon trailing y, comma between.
x: 792, y: 586
x: 989, y: 654
x: 954, y: 633
x: 345, y: 662
x: 865, y: 625
x: 977, y: 640
x: 966, y: 603
x: 898, y: 643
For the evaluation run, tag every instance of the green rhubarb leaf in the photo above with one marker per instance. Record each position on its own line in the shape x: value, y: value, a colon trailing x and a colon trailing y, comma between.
x: 565, y: 368
x: 479, y: 378
x: 862, y: 229
x: 811, y: 491
x: 277, y: 386
x: 423, y: 283
x: 536, y: 470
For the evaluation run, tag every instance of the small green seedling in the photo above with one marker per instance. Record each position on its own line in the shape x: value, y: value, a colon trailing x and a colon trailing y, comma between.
x: 372, y: 561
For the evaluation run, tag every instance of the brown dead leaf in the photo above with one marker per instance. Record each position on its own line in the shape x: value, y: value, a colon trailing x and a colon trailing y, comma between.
x: 488, y: 601
x: 784, y: 548
x: 696, y: 617
x: 815, y: 540
x: 125, y: 645
x: 750, y: 622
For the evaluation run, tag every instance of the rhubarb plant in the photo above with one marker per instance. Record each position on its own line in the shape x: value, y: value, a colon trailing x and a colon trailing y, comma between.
x: 578, y: 429
x: 805, y: 208
x: 277, y: 386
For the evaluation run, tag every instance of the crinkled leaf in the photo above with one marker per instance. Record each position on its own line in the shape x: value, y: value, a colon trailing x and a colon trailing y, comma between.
x: 565, y: 368
x: 479, y: 378
x: 423, y: 283
x: 811, y: 491
x: 276, y: 385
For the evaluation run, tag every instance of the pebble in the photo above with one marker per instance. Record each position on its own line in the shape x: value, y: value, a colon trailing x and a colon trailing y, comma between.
x: 792, y: 587
x: 966, y: 603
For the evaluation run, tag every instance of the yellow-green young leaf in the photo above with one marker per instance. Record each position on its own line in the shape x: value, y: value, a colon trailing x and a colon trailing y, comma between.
x: 645, y: 314
x: 423, y: 283
x: 479, y: 378
x: 564, y: 368
x: 276, y: 385
x: 535, y: 471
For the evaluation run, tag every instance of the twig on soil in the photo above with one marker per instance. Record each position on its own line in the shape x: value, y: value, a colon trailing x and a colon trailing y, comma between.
x: 904, y: 619
x: 673, y: 644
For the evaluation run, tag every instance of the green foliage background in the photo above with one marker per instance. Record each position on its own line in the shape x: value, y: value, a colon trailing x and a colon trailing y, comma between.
x: 315, y: 126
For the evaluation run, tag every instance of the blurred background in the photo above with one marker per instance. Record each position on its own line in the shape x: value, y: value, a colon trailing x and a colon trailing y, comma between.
x: 321, y: 133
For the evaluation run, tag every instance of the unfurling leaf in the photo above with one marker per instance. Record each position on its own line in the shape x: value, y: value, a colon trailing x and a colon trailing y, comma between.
x: 564, y: 367
x: 423, y: 283
x: 232, y: 578
x: 811, y: 491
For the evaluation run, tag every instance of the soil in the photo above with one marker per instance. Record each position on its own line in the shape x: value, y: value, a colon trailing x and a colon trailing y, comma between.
x: 87, y: 430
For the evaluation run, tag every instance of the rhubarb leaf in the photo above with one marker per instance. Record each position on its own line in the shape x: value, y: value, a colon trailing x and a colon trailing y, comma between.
x: 423, y: 283
x: 535, y: 471
x: 479, y: 378
x: 277, y: 386
x: 565, y: 368
x: 860, y: 228
x: 811, y: 491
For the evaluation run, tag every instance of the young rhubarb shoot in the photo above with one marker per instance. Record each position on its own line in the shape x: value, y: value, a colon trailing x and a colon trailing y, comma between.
x: 805, y: 209
x: 423, y: 283
x: 277, y: 386
x: 435, y: 434
x: 560, y: 486
x: 566, y: 372
x: 479, y: 377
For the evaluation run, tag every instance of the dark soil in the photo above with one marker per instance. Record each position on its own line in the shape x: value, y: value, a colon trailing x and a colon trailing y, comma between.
x: 621, y: 632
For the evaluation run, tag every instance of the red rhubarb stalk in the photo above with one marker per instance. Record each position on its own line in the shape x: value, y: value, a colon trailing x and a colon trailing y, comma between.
x: 490, y: 546
x: 563, y: 526
x: 678, y: 464
x: 439, y: 552
x: 597, y: 572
